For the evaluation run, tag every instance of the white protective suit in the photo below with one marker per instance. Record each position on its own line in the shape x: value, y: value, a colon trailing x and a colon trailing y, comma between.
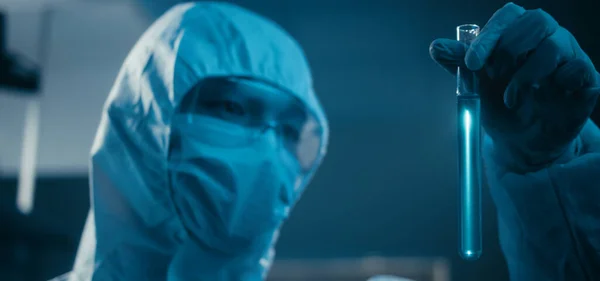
x: 133, y: 231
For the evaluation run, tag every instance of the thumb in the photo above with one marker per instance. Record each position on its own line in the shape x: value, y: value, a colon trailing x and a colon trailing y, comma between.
x: 448, y: 53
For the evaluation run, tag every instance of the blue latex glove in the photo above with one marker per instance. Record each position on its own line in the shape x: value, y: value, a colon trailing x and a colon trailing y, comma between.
x: 537, y: 86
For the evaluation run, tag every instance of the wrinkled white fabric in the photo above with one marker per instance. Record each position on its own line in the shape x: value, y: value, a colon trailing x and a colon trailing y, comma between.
x: 133, y: 231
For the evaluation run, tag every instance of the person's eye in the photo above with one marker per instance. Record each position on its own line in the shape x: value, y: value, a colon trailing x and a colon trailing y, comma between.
x: 227, y: 108
x: 233, y: 108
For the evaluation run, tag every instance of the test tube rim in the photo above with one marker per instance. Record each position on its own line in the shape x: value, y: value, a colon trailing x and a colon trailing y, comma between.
x: 467, y: 27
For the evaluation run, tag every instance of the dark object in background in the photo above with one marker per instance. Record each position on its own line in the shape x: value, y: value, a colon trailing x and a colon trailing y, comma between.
x: 42, y: 245
x: 15, y: 71
x: 29, y: 242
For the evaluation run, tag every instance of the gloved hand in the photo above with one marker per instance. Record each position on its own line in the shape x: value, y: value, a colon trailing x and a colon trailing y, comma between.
x: 537, y: 86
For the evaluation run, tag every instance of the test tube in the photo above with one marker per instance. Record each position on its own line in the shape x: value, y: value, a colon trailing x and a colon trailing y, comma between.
x: 469, y: 157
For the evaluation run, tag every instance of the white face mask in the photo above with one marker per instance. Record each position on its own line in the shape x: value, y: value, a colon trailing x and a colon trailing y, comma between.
x: 231, y: 196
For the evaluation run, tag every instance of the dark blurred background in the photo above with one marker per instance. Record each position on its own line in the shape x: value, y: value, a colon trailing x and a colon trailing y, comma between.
x: 388, y: 187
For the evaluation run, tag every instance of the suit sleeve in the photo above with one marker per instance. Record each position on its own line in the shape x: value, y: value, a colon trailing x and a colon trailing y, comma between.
x: 549, y: 218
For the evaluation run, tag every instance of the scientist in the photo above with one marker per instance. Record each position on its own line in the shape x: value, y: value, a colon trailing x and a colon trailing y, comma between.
x: 209, y: 136
x: 541, y: 150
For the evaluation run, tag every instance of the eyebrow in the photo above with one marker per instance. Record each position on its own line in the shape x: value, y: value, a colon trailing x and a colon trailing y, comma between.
x: 218, y: 88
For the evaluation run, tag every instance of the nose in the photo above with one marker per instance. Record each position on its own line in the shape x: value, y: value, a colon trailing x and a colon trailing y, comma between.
x: 270, y: 134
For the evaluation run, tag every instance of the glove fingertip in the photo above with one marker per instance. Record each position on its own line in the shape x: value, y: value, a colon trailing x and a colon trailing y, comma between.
x: 443, y: 50
x: 440, y: 46
x: 473, y: 62
x: 433, y: 49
